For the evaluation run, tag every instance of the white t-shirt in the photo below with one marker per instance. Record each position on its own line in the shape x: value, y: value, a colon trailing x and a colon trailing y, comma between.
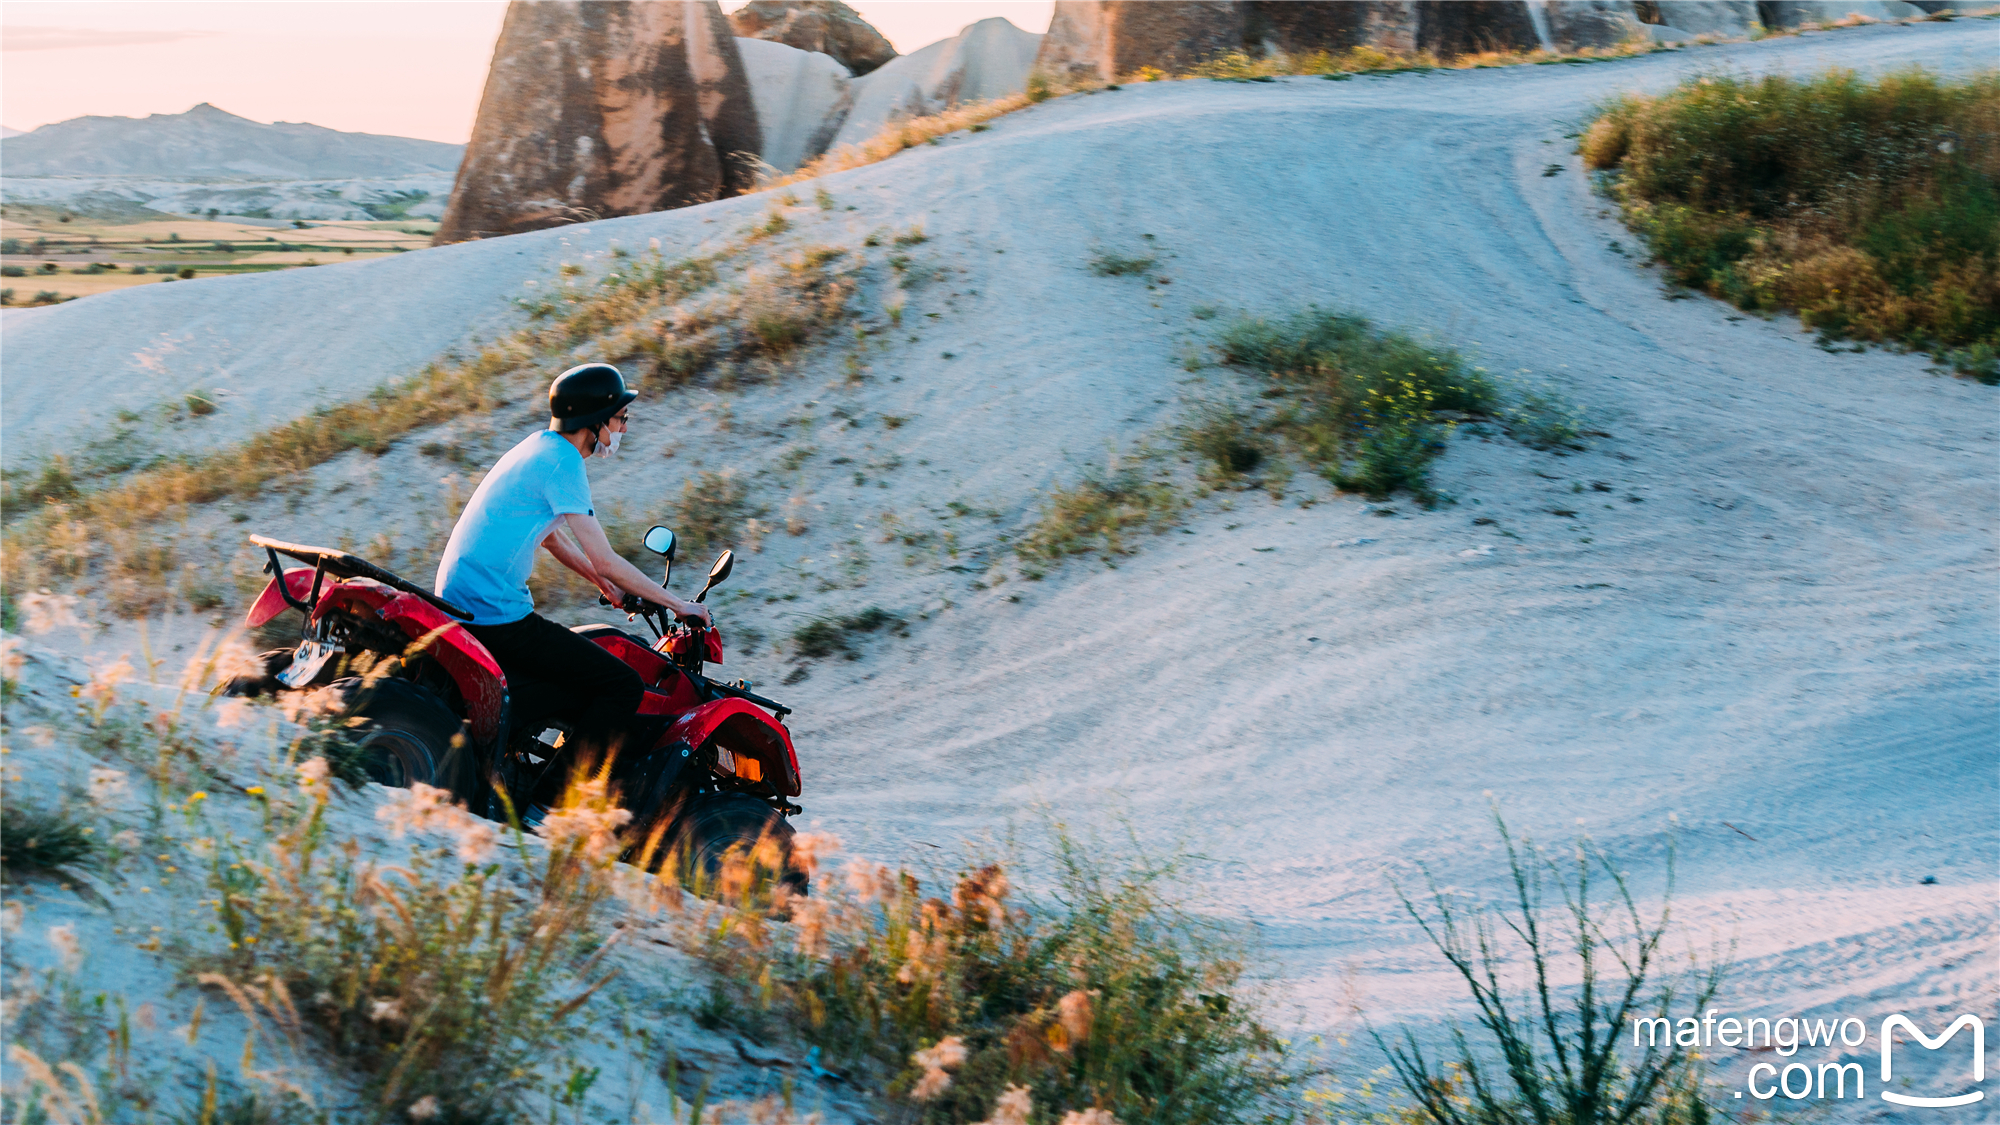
x: 492, y: 550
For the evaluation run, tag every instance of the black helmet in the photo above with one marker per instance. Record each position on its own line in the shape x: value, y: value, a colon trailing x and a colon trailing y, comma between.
x: 587, y: 396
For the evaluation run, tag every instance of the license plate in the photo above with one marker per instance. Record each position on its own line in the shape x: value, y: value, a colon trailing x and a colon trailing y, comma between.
x: 306, y: 663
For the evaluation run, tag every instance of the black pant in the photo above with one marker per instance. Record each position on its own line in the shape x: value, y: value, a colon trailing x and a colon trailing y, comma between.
x: 553, y: 673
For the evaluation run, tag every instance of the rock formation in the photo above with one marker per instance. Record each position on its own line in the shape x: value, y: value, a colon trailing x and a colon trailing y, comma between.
x: 1458, y: 27
x: 802, y: 99
x: 989, y: 59
x: 827, y: 26
x: 1680, y: 20
x: 596, y: 108
x: 1726, y: 18
x: 1102, y: 40
x: 1792, y: 13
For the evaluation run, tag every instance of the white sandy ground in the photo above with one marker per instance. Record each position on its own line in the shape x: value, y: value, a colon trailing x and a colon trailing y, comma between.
x: 1788, y: 646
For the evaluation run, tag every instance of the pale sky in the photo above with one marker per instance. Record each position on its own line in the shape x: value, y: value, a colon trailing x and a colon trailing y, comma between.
x: 411, y: 68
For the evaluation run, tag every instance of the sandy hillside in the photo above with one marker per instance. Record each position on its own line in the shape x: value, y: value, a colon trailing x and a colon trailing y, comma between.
x: 1786, y: 642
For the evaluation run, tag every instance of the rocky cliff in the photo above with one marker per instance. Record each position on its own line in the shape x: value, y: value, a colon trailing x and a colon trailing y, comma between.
x: 596, y: 108
x: 802, y: 99
x: 988, y: 59
x: 1101, y: 40
x: 828, y: 27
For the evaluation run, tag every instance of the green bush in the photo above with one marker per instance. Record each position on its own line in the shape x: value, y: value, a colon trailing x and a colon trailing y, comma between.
x: 1371, y: 409
x: 827, y: 636
x: 40, y: 839
x: 1869, y: 206
x: 1227, y: 439
x: 1544, y: 419
x: 1105, y: 263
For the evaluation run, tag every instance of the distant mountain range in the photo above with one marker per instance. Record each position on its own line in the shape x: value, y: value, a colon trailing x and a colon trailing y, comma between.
x: 208, y: 142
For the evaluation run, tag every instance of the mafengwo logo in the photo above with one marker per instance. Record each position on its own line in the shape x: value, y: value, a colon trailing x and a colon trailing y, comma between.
x: 1832, y: 1079
x: 1978, y: 1058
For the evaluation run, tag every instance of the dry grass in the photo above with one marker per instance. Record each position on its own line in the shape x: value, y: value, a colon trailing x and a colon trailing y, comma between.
x: 437, y: 977
x: 709, y: 515
x: 1870, y: 207
x: 1101, y: 995
x: 899, y: 135
x: 458, y: 976
x: 451, y: 978
x: 1101, y: 515
x: 667, y: 322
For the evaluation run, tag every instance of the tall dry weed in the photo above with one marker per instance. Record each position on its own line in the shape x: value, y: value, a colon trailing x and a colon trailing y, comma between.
x: 969, y: 998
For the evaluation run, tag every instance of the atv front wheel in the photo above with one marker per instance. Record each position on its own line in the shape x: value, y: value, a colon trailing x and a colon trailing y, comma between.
x: 716, y: 824
x: 404, y: 732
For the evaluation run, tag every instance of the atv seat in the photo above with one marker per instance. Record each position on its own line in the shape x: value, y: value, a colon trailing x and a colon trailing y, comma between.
x: 342, y: 565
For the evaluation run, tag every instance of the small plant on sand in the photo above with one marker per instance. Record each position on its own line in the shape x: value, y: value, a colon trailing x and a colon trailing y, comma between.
x: 1105, y: 263
x: 1229, y: 441
x: 827, y: 636
x: 1102, y: 513
x: 1540, y: 417
x: 969, y: 1004
x: 709, y: 514
x: 1869, y: 206
x: 34, y: 838
x: 1550, y: 1055
x: 1397, y: 437
x: 1371, y: 409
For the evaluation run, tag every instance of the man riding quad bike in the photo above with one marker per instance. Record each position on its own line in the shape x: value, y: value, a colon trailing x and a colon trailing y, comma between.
x: 489, y: 699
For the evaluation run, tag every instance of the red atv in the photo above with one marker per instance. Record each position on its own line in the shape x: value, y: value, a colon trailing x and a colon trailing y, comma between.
x: 714, y: 770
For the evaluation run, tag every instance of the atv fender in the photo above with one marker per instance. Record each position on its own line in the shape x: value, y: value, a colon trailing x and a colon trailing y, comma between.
x: 470, y: 666
x: 271, y: 602
x: 747, y: 732
x: 477, y: 674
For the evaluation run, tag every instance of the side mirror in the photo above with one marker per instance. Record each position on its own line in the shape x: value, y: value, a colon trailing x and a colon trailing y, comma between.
x: 660, y: 541
x: 718, y: 573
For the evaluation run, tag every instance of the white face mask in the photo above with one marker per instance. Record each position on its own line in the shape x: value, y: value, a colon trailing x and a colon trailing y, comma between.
x: 606, y: 449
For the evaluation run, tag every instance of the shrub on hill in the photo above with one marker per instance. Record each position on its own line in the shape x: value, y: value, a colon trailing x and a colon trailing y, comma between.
x: 1369, y: 409
x: 966, y: 1000
x: 1871, y: 207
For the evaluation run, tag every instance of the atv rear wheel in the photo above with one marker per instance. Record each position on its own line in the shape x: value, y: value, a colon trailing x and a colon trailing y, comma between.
x: 715, y: 824
x: 404, y: 732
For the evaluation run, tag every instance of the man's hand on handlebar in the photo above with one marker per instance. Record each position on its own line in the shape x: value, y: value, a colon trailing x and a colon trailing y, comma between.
x: 695, y: 612
x: 691, y: 611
